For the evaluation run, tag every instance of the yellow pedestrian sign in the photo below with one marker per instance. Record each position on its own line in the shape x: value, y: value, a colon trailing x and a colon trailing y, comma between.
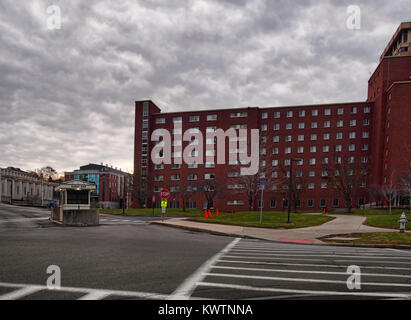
x: 164, y: 203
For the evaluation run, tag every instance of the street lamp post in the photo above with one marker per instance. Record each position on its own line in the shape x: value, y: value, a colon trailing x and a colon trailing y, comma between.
x: 290, y: 187
x: 124, y: 196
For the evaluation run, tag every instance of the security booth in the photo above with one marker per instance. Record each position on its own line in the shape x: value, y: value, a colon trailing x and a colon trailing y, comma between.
x: 74, y: 208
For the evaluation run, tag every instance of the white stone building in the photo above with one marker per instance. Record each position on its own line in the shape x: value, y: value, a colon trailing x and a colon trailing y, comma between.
x: 20, y: 187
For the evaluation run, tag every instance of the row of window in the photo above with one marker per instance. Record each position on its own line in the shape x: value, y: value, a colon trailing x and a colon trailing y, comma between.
x: 314, y: 149
x: 236, y: 186
x: 314, y: 125
x: 313, y: 161
x: 314, y: 112
x: 263, y: 163
x: 314, y: 137
x: 273, y: 203
x: 264, y: 127
x: 191, y: 177
x: 265, y: 115
x: 209, y: 117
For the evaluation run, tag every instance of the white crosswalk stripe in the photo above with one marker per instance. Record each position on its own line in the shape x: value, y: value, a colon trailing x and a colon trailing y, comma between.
x: 18, y: 291
x: 122, y: 221
x: 252, y: 268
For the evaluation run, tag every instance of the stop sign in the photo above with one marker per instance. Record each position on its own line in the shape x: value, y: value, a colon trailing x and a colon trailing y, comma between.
x: 165, y: 194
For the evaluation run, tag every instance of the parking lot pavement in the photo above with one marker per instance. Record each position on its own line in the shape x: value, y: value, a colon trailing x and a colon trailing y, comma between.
x: 249, y: 269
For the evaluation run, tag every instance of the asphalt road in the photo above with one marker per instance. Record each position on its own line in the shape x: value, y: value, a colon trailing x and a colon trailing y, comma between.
x: 127, y: 258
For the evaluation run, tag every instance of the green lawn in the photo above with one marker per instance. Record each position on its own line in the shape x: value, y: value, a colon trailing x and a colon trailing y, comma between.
x: 377, y: 238
x: 270, y: 219
x: 381, y: 218
x: 157, y: 212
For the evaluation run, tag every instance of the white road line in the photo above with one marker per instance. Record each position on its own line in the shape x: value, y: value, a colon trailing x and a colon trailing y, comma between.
x: 365, y: 253
x: 356, y: 250
x: 241, y: 276
x: 87, y: 291
x: 20, y: 293
x: 186, y: 288
x: 303, y: 259
x: 309, y: 271
x: 374, y: 261
x: 95, y: 295
x: 22, y: 220
x: 270, y: 258
x: 320, y: 255
x: 312, y: 292
x: 398, y: 250
x: 308, y: 264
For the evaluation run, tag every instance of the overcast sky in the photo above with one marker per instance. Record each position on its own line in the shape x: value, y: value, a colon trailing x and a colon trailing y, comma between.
x: 67, y: 95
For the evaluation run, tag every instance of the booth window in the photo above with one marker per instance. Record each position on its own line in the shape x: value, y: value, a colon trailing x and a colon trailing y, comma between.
x: 77, y: 197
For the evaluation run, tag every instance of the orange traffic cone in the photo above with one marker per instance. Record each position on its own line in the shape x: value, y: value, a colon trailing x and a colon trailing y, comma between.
x: 209, y: 214
x: 217, y: 214
x: 205, y: 214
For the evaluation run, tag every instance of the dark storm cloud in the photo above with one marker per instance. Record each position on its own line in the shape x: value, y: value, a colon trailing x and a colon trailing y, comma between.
x: 67, y: 96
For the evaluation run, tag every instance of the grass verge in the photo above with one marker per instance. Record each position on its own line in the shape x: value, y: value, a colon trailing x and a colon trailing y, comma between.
x: 270, y: 219
x: 381, y: 218
x: 375, y: 238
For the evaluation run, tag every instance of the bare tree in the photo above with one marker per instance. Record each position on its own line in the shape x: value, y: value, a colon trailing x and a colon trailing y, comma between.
x: 187, y: 191
x: 211, y: 189
x: 406, y: 186
x: 249, y: 186
x: 390, y: 191
x: 141, y: 189
x: 298, y: 185
x: 346, y: 176
x: 375, y: 192
x: 46, y: 173
x: 184, y: 192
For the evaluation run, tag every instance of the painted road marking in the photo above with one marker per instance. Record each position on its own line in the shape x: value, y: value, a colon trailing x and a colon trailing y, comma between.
x: 309, y: 265
x: 22, y: 220
x: 95, y: 295
x: 241, y: 276
x: 311, y: 292
x: 20, y: 293
x: 186, y: 289
x: 313, y: 254
x: 309, y: 271
x: 296, y: 240
x: 27, y: 289
x: 329, y: 250
x: 292, y: 257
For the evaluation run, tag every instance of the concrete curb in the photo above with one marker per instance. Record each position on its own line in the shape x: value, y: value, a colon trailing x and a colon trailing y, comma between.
x: 234, y: 235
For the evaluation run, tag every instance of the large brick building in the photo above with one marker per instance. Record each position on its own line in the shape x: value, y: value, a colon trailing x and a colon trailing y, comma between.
x: 375, y: 133
x: 111, y: 183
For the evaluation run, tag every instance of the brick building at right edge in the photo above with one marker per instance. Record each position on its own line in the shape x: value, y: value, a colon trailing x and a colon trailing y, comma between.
x: 389, y: 88
x: 377, y: 131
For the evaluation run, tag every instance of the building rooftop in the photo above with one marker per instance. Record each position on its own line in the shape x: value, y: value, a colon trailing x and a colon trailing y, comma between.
x: 99, y: 168
x: 400, y: 43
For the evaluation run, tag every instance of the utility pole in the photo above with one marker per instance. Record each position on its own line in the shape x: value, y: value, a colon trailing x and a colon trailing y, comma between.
x: 1, y: 185
x: 42, y: 191
x: 124, y: 195
x: 261, y: 204
x: 290, y: 188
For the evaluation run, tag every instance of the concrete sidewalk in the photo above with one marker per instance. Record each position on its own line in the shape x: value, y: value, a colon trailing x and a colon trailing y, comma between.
x: 340, y: 225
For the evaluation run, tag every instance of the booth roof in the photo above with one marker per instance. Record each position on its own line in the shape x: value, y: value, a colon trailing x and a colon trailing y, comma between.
x: 76, y: 185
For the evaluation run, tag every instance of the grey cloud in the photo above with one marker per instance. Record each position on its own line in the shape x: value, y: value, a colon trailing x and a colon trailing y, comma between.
x: 67, y: 96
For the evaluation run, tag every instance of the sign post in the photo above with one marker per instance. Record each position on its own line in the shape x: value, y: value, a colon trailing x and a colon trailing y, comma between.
x: 153, y: 200
x: 164, y: 194
x: 262, y: 184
